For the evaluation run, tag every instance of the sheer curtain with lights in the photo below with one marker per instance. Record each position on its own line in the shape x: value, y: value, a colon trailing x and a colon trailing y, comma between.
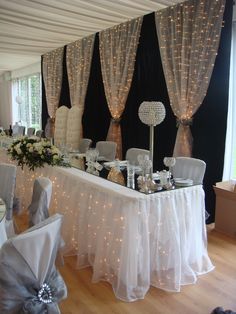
x: 230, y: 145
x: 26, y: 100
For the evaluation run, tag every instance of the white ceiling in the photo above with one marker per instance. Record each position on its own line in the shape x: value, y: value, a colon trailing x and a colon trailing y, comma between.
x: 29, y: 28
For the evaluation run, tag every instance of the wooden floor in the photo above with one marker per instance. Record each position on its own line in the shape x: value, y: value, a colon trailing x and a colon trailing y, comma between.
x: 217, y: 288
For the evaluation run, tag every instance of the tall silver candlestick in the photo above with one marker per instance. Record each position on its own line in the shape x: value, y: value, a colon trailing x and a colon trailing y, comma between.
x: 151, y: 113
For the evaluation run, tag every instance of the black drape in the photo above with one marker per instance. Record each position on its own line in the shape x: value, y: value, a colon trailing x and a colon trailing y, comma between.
x: 45, y: 114
x: 148, y: 84
x: 65, y: 91
x: 96, y: 117
x: 209, y: 123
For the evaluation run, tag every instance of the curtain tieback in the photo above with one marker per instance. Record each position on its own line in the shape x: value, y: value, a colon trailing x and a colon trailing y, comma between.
x: 184, y: 122
x: 115, y: 120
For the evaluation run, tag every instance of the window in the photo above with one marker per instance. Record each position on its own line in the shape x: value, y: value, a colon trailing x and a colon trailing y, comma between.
x: 27, y: 100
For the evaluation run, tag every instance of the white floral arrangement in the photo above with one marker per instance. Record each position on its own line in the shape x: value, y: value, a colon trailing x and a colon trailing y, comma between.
x: 34, y: 153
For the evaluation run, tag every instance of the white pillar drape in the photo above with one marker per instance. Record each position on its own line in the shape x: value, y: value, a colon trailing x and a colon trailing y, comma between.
x: 230, y: 144
x: 78, y: 62
x: 188, y: 36
x: 118, y: 46
x: 52, y: 76
x: 6, y: 115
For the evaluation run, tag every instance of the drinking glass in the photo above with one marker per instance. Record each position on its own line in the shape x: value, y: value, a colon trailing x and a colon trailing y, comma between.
x: 130, y: 176
x: 169, y: 162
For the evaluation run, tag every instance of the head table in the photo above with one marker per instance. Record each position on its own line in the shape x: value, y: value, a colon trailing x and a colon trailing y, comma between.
x: 132, y: 240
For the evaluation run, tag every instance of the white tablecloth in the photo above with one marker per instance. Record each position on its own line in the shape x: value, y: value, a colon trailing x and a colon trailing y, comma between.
x: 132, y: 240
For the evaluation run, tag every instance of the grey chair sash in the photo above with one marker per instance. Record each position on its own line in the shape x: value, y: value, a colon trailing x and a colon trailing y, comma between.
x: 19, y: 289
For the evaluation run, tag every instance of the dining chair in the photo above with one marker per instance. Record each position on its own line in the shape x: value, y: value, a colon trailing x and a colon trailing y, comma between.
x: 73, y: 128
x: 21, y: 130
x: 39, y: 208
x: 41, y: 197
x: 7, y: 190
x: 107, y: 150
x: 132, y: 154
x: 18, y: 130
x: 15, y: 129
x: 30, y: 131
x: 84, y: 145
x: 189, y: 168
x: 3, y: 235
x: 29, y: 280
x: 39, y: 133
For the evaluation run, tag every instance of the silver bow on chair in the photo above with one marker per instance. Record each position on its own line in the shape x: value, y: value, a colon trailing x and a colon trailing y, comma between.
x: 21, y: 286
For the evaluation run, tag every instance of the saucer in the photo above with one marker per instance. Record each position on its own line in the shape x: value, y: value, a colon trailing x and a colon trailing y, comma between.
x: 183, y: 182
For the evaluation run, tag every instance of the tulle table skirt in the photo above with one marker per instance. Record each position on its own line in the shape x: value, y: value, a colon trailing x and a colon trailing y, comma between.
x: 131, y: 240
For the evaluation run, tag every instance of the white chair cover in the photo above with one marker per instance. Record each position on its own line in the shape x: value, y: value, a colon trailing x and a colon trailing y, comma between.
x: 73, y: 133
x: 27, y: 272
x: 15, y: 129
x: 18, y: 130
x: 7, y: 186
x: 189, y: 168
x: 21, y: 130
x: 39, y: 207
x: 60, y: 126
x: 3, y: 235
x: 107, y: 149
x: 39, y: 133
x: 30, y: 131
x: 132, y: 154
x: 84, y: 145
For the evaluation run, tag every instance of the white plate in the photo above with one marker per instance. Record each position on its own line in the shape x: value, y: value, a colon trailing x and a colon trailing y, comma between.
x: 183, y: 182
x: 110, y: 164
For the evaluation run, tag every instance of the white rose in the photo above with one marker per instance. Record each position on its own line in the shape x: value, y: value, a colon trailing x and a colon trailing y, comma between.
x: 18, y: 150
x: 55, y: 150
